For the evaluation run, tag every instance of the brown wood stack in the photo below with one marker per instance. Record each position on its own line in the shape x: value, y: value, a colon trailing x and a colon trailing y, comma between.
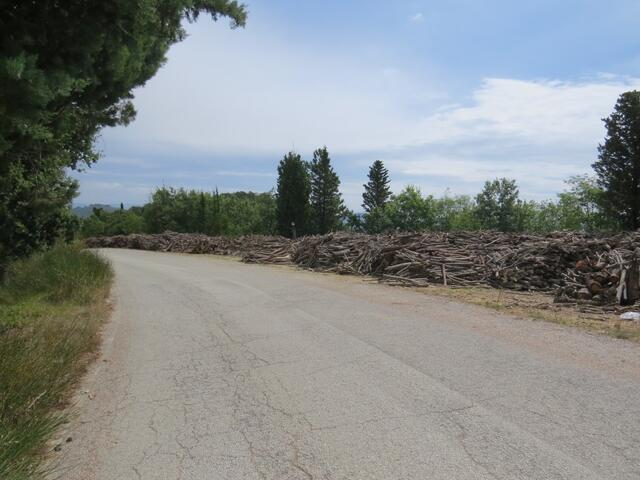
x: 192, y: 243
x: 576, y: 267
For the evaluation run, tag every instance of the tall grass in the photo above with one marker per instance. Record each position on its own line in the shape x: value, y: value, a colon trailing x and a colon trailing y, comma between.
x: 51, y: 307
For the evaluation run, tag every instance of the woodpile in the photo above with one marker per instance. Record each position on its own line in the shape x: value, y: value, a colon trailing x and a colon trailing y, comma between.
x: 513, y: 261
x: 577, y: 268
x: 605, y: 275
x: 195, y: 243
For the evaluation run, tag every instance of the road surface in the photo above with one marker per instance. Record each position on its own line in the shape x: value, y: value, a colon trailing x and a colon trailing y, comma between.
x: 213, y: 369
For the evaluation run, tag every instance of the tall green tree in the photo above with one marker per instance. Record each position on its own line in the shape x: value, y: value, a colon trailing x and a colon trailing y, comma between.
x: 68, y: 69
x: 454, y: 213
x: 376, y: 190
x: 327, y: 207
x: 34, y: 209
x: 497, y: 205
x: 293, y: 189
x: 374, y: 199
x: 618, y: 164
x: 409, y: 211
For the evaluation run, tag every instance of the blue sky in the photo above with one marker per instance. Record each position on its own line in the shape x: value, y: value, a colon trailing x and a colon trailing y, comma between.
x: 447, y: 94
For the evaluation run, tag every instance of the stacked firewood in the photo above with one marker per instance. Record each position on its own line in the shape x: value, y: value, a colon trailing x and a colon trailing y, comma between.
x: 519, y: 262
x: 608, y: 273
x: 267, y: 250
x: 192, y: 243
x: 576, y: 267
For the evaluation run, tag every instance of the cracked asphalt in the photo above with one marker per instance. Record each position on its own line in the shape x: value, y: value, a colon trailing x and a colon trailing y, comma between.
x: 214, y: 369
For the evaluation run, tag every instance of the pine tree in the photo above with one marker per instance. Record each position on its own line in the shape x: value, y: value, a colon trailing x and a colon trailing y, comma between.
x: 292, y: 196
x: 376, y: 190
x: 375, y: 197
x: 618, y: 164
x: 327, y: 207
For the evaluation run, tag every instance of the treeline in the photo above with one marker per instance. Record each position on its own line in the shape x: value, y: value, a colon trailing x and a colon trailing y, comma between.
x: 189, y: 211
x: 496, y: 207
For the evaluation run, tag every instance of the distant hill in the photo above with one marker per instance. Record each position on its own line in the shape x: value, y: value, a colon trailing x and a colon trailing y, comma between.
x: 85, y: 210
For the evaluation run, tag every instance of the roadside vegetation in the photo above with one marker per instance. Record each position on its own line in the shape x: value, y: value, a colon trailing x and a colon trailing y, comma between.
x: 51, y: 308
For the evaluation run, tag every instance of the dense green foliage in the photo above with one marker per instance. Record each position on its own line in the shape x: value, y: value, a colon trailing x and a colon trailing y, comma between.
x: 326, y: 206
x: 375, y: 197
x: 34, y: 209
x: 293, y: 191
x: 67, y: 69
x: 410, y: 211
x: 118, y: 222
x: 618, y: 164
x: 51, y: 307
x: 179, y: 210
x: 497, y: 205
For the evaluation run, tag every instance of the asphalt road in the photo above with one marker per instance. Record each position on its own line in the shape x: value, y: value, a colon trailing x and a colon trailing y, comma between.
x: 213, y: 369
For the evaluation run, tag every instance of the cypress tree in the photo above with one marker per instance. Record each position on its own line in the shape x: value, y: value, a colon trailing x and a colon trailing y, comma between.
x: 618, y: 164
x: 327, y: 207
x: 292, y: 196
x: 376, y: 190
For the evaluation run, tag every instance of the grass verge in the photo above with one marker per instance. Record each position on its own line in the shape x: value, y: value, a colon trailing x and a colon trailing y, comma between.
x: 539, y: 306
x: 51, y: 308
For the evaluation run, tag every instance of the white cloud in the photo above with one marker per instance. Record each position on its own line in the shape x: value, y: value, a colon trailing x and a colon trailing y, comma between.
x: 264, y: 97
x: 254, y: 94
x: 540, y: 112
x: 240, y: 91
x: 416, y: 17
x: 539, y: 132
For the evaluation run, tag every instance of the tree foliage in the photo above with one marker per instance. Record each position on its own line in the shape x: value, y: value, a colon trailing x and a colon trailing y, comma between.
x: 497, y: 205
x: 409, y: 211
x: 34, y: 209
x: 119, y: 222
x: 189, y: 211
x: 577, y: 208
x: 67, y: 69
x: 293, y: 196
x: 240, y: 213
x: 375, y: 197
x: 618, y: 164
x: 376, y: 190
x: 326, y: 206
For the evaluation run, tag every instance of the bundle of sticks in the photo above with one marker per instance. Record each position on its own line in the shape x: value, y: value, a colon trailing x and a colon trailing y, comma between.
x: 576, y: 267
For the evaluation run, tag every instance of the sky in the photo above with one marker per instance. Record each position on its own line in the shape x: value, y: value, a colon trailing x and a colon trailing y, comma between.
x: 447, y: 94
